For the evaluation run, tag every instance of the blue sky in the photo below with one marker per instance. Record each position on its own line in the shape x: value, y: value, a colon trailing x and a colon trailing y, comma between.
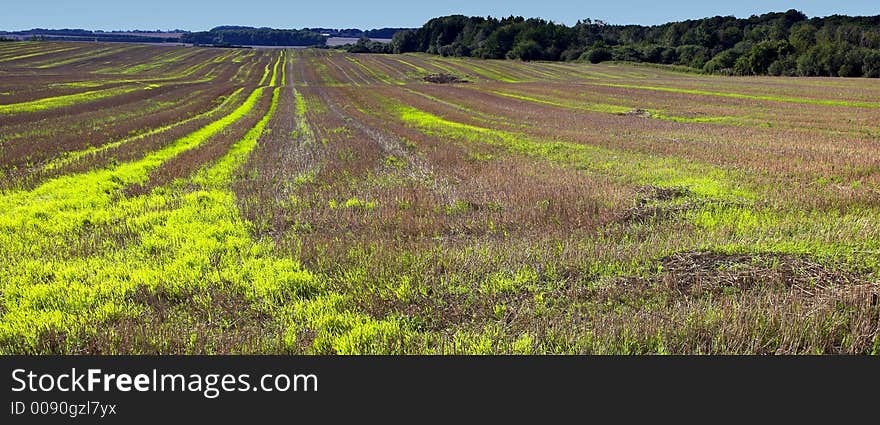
x: 202, y: 14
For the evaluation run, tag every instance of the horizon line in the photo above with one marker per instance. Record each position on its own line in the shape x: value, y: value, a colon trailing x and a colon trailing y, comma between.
x: 363, y: 28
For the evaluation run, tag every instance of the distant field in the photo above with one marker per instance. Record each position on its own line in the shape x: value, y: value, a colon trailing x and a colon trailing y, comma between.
x: 152, y: 34
x: 340, y: 41
x: 162, y: 199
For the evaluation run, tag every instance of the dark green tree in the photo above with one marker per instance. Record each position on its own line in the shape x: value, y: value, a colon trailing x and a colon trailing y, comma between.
x: 778, y: 43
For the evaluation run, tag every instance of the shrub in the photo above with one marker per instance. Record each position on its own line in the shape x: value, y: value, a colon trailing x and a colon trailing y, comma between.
x: 596, y: 55
x: 722, y: 62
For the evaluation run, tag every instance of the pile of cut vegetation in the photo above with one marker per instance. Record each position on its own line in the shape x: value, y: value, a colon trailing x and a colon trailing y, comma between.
x: 444, y: 78
x: 638, y: 112
x: 702, y: 271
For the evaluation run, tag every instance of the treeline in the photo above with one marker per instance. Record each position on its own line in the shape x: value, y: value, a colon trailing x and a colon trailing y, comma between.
x: 67, y: 34
x: 358, y: 33
x: 107, y: 38
x: 244, y: 36
x: 365, y: 45
x: 786, y: 43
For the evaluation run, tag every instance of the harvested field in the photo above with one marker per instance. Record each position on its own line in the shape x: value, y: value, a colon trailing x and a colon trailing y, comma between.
x: 161, y: 199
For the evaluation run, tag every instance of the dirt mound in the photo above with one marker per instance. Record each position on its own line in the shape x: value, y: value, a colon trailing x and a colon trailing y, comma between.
x: 657, y: 193
x: 706, y: 271
x: 647, y: 208
x: 638, y: 112
x: 700, y: 274
x: 444, y: 78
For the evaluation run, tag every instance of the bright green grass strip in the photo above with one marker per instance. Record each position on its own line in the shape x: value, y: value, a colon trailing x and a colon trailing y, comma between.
x: 536, y: 68
x: 324, y: 74
x: 241, y: 56
x: 67, y: 100
x: 150, y: 106
x: 597, y: 74
x: 40, y: 293
x: 24, y: 47
x: 99, y: 83
x: 221, y: 172
x: 301, y: 124
x: 183, y: 240
x: 66, y: 202
x: 244, y: 71
x: 850, y: 235
x: 487, y: 73
x: 265, y: 76
x: 223, y: 58
x: 617, y: 109
x: 381, y: 76
x: 517, y: 71
x: 82, y: 56
x: 178, y: 238
x: 564, y: 72
x: 284, y: 81
x: 40, y: 53
x: 787, y: 99
x: 12, y: 46
x: 474, y: 114
x: 88, y: 56
x: 730, y: 219
x: 197, y: 67
x: 149, y: 81
x: 152, y: 62
x: 345, y: 75
x: 156, y: 62
x: 411, y: 65
x: 593, y: 107
x: 275, y: 70
x: 570, y: 71
x: 167, y: 76
x: 701, y: 179
x: 300, y: 105
x: 32, y: 222
x: 74, y: 156
x: 441, y: 65
x: 726, y: 119
x: 87, y: 84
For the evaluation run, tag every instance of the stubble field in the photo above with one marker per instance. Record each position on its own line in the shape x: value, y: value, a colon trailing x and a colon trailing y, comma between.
x: 187, y: 200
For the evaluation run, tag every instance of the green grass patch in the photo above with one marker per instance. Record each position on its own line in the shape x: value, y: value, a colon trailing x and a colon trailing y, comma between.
x: 274, y: 79
x: 71, y: 157
x: 619, y: 109
x: 701, y: 179
x: 378, y: 75
x: 67, y: 100
x: 592, y: 107
x: 787, y: 99
x: 39, y: 53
